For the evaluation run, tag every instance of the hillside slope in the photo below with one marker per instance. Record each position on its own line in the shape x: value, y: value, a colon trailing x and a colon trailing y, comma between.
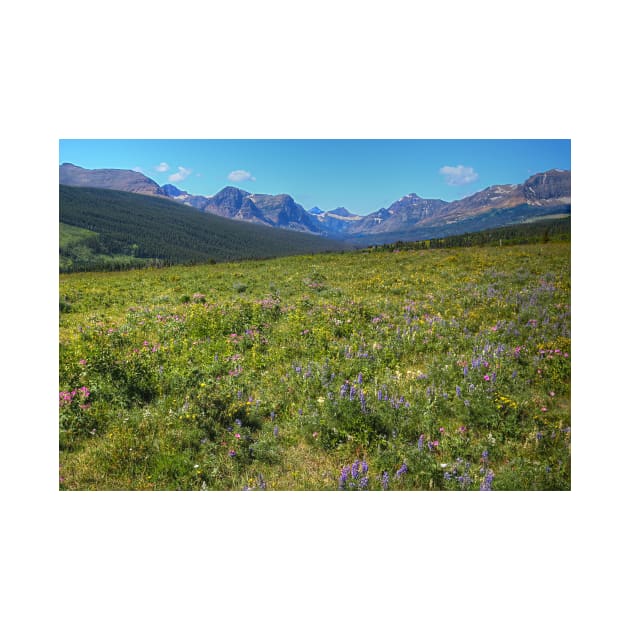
x: 151, y: 229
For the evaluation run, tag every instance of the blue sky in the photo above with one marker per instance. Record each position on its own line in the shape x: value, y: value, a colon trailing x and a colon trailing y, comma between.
x: 361, y: 175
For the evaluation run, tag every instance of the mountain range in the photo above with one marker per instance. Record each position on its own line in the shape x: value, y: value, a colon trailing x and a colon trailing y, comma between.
x: 409, y: 218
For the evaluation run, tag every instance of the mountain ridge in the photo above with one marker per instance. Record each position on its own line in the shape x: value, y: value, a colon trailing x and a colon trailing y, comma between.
x: 538, y: 195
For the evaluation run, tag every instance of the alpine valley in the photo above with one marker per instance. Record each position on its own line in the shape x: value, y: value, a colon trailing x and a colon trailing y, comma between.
x: 411, y: 217
x: 239, y: 341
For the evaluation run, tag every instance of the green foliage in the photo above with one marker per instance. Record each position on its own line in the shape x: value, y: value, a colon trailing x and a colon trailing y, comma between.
x: 439, y: 369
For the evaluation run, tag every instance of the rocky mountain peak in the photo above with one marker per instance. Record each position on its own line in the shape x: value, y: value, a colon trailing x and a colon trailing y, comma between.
x: 548, y: 185
x: 110, y: 178
x: 341, y: 212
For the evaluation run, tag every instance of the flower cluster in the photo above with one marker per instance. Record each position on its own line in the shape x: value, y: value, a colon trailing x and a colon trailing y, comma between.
x: 66, y: 398
x: 354, y: 476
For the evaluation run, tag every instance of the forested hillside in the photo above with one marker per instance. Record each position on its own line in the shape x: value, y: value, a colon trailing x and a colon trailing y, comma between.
x: 539, y: 231
x: 128, y: 230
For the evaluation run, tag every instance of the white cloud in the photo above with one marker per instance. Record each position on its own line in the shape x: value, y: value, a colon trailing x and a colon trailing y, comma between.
x: 241, y: 176
x: 459, y: 175
x: 162, y: 167
x: 182, y: 174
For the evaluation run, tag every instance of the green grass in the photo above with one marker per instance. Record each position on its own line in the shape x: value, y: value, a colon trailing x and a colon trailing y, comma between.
x: 70, y: 235
x: 282, y: 374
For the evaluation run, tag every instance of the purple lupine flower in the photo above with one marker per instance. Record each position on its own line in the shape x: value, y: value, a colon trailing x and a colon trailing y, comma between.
x: 486, y: 484
x: 401, y: 471
x: 237, y: 422
x: 420, y: 442
x: 344, y: 389
x: 363, y: 483
x: 379, y: 395
x: 355, y: 469
x: 275, y: 431
x: 362, y: 399
x: 484, y: 457
x: 360, y: 378
x: 458, y: 391
x: 385, y: 480
x: 343, y: 478
x: 364, y: 467
x: 353, y: 392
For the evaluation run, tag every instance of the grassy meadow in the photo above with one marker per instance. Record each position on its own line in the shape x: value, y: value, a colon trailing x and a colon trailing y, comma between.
x: 445, y: 369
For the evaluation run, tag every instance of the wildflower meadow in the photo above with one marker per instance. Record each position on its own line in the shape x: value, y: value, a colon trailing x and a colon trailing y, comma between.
x: 445, y: 369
